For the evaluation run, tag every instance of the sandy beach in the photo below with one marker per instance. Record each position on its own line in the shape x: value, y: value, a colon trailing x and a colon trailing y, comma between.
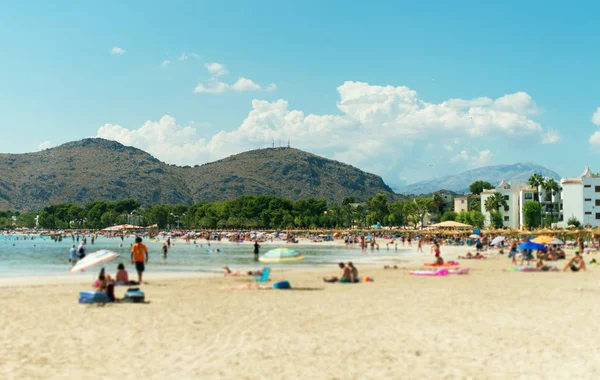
x: 489, y: 324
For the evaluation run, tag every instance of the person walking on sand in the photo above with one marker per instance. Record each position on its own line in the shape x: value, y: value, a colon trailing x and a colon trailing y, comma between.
x: 256, y: 250
x: 139, y: 257
x: 420, y: 245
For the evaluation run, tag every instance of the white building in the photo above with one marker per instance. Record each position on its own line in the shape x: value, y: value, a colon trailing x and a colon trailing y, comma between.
x: 581, y: 199
x: 511, y: 213
x: 516, y: 194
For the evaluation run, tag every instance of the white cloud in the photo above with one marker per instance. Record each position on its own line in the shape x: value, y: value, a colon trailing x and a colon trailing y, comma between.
x: 117, y: 51
x: 481, y: 158
x: 245, y: 84
x: 186, y: 56
x: 382, y: 129
x: 165, y: 63
x: 214, y: 86
x: 215, y: 69
x: 45, y: 145
x: 271, y: 87
x: 595, y: 140
x: 596, y: 117
x: 550, y: 137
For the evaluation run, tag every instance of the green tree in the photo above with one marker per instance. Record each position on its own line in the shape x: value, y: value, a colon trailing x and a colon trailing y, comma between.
x: 552, y: 187
x: 438, y: 203
x: 423, y: 206
x: 448, y: 216
x: 348, y: 200
x: 574, y: 222
x: 477, y: 187
x: 477, y: 218
x: 496, y: 219
x: 531, y: 214
x: 397, y: 213
x: 378, y: 208
x: 26, y: 220
x: 474, y: 204
x: 495, y: 202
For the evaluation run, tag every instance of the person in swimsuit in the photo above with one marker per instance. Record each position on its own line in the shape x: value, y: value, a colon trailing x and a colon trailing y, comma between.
x: 354, y: 271
x: 543, y: 267
x: 346, y: 275
x: 106, y: 284
x: 576, y: 264
x: 229, y: 272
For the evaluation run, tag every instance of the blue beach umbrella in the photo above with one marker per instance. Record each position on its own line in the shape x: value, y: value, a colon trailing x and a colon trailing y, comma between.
x: 531, y: 245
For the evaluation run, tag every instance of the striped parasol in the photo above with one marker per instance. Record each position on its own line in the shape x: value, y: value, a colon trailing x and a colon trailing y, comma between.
x: 281, y: 255
x: 93, y: 259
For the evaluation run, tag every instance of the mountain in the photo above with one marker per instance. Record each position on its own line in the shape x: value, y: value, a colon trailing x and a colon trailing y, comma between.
x: 98, y: 169
x: 519, y: 172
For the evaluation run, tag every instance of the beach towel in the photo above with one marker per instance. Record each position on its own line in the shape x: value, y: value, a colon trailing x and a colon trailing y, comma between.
x: 264, y: 276
x: 93, y: 297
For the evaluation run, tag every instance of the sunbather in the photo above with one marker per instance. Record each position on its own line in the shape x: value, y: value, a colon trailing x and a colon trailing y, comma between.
x: 346, y: 275
x: 543, y: 267
x: 469, y: 255
x: 106, y: 284
x: 576, y: 264
x: 354, y: 272
x: 229, y: 272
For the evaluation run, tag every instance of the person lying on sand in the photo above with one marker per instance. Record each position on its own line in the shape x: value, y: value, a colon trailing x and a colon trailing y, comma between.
x: 250, y: 287
x: 469, y: 256
x: 390, y: 267
x: 576, y: 264
x: 545, y: 268
x: 346, y: 275
x: 229, y: 272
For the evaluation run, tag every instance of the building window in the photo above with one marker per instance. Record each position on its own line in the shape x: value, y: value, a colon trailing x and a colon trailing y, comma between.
x: 587, y: 186
x: 598, y: 189
x: 561, y: 206
x: 506, y: 208
x: 597, y: 202
x: 588, y: 199
x: 506, y: 218
x: 462, y: 201
x: 506, y: 197
x: 528, y: 196
x: 588, y: 213
x: 597, y: 215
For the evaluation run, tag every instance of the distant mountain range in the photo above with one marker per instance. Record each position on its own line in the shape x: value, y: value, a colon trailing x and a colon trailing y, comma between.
x: 460, y: 183
x: 98, y: 169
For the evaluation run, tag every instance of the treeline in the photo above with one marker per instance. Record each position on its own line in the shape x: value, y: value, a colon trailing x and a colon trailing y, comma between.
x: 251, y: 212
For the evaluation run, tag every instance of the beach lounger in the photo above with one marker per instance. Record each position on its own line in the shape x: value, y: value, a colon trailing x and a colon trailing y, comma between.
x: 265, y: 275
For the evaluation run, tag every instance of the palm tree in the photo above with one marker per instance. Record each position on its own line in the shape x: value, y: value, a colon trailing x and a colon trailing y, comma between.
x: 535, y: 181
x: 495, y: 202
x: 552, y: 187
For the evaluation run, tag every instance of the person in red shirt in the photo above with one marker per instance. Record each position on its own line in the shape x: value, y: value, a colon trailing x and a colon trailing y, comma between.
x: 139, y: 257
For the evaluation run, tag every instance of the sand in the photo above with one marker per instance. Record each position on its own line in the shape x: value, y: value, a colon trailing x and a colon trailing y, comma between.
x: 489, y: 324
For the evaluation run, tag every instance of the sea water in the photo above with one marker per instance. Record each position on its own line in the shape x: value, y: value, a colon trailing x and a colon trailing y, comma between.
x: 43, y: 256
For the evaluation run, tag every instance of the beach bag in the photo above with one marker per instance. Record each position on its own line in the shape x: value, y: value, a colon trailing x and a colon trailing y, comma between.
x: 134, y: 295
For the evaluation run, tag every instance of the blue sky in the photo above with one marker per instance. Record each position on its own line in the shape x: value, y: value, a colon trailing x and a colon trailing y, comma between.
x: 374, y: 84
